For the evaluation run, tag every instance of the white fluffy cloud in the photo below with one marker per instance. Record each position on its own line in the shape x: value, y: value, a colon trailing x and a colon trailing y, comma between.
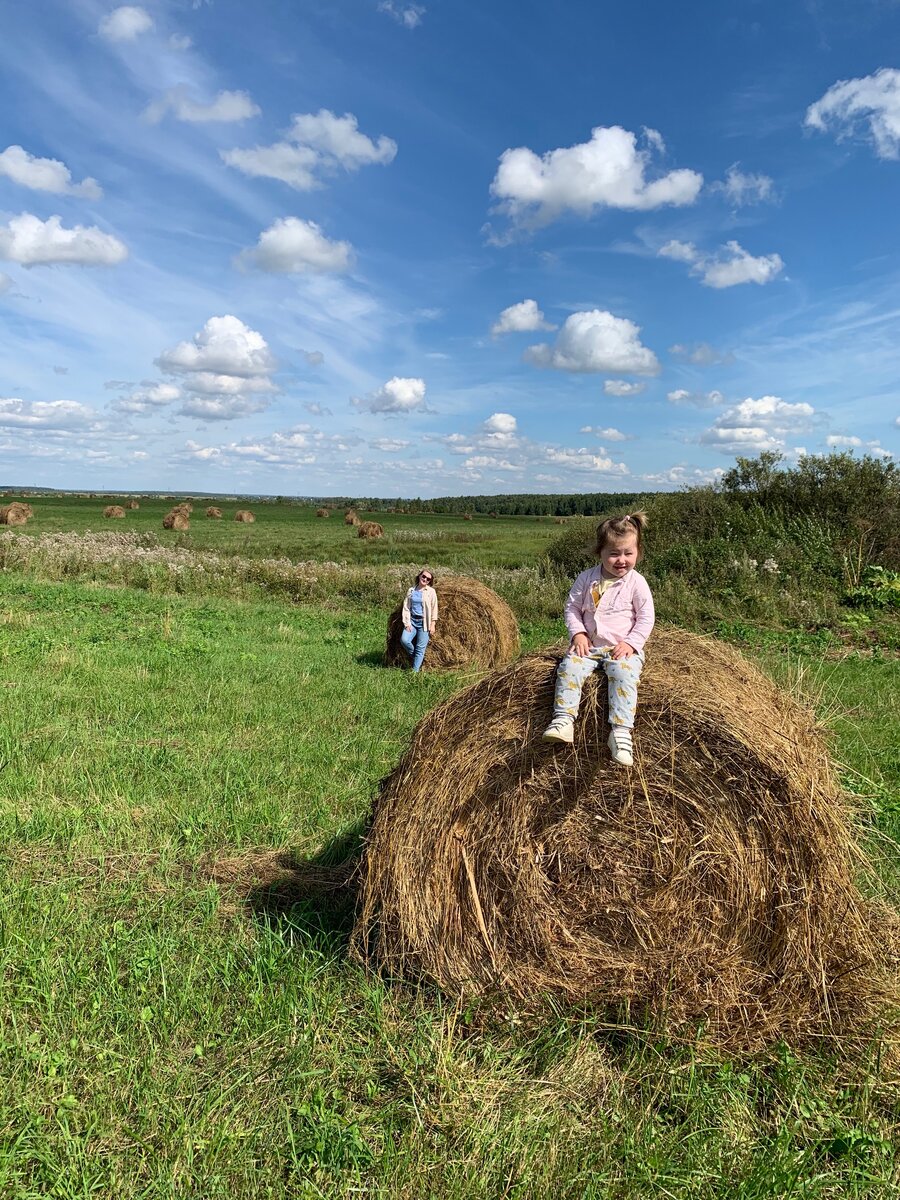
x: 125, y: 23
x: 389, y: 445
x: 584, y: 460
x: 519, y: 318
x: 45, y: 174
x: 502, y: 423
x: 408, y: 15
x: 836, y: 441
x: 872, y: 102
x: 147, y: 398
x: 756, y: 425
x: 224, y: 346
x: 695, y: 399
x: 316, y: 144
x: 608, y: 435
x: 295, y: 447
x: 609, y: 171
x: 45, y: 414
x: 741, y: 189
x: 729, y: 266
x: 226, y: 107
x: 596, y: 341
x: 293, y: 246
x: 621, y: 387
x: 28, y: 240
x: 224, y: 371
x: 398, y: 395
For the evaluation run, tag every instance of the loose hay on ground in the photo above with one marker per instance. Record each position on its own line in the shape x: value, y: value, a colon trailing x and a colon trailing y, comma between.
x: 476, y: 628
x: 713, y: 883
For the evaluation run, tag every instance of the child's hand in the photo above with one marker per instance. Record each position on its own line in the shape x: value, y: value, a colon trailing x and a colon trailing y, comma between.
x: 581, y: 645
x: 408, y: 628
x: 622, y: 650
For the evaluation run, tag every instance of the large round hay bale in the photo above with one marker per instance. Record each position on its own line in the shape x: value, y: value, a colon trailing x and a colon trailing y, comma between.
x: 351, y: 517
x: 370, y: 529
x: 322, y: 512
x: 476, y: 628
x: 713, y: 883
x: 212, y: 511
x: 13, y: 514
x: 176, y: 520
x: 114, y: 510
x: 245, y: 515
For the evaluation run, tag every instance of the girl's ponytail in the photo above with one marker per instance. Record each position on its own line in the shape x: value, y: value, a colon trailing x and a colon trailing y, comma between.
x: 619, y: 527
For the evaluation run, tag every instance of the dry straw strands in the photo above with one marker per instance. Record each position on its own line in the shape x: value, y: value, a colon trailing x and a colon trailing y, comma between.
x: 245, y: 515
x: 350, y: 517
x: 114, y: 510
x: 212, y: 511
x: 476, y: 628
x: 176, y: 519
x: 712, y: 883
x: 15, y: 513
x: 370, y: 529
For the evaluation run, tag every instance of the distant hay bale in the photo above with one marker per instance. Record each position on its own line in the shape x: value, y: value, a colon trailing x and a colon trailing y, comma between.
x: 212, y: 511
x: 370, y: 529
x: 494, y: 515
x: 176, y: 519
x: 713, y: 884
x: 467, y: 516
x: 560, y: 520
x: 187, y: 509
x: 14, y: 514
x: 350, y: 517
x: 132, y: 504
x: 322, y: 512
x: 114, y: 510
x: 245, y: 515
x: 476, y: 628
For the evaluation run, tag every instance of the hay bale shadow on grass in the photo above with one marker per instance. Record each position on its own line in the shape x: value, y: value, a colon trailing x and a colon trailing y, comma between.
x: 476, y: 628
x: 316, y: 895
x: 713, y: 885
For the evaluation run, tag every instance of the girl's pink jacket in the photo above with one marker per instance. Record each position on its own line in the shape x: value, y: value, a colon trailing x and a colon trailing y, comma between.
x: 625, y: 612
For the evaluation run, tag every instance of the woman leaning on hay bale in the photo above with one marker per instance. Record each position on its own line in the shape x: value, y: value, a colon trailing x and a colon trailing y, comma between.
x: 420, y: 614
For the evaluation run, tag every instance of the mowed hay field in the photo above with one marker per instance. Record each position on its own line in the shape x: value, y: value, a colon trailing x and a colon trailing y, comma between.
x: 180, y: 1020
x: 294, y: 531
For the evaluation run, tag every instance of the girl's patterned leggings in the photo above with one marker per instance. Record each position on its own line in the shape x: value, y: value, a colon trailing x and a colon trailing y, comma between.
x: 623, y: 675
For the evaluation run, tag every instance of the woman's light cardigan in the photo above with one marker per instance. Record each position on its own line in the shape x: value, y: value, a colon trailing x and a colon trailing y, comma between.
x: 429, y: 608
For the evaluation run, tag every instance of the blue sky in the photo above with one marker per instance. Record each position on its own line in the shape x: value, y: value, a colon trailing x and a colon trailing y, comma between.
x: 377, y: 247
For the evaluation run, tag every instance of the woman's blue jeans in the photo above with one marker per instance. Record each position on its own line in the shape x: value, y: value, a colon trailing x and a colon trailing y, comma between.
x: 414, y: 642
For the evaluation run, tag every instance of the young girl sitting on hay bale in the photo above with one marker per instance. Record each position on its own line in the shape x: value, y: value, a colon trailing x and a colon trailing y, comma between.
x: 609, y: 614
x: 420, y: 614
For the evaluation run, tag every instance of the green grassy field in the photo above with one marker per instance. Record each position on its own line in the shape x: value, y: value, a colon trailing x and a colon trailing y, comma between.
x: 295, y: 532
x: 172, y: 1028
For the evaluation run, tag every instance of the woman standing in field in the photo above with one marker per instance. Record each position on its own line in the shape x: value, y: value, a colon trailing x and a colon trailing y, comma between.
x: 420, y: 614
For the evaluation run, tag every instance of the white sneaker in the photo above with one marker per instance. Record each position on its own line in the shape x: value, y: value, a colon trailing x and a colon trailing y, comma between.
x: 560, y: 729
x: 621, y: 746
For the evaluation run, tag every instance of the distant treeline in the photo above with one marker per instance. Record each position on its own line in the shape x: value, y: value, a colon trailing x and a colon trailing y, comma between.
x: 526, y: 504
